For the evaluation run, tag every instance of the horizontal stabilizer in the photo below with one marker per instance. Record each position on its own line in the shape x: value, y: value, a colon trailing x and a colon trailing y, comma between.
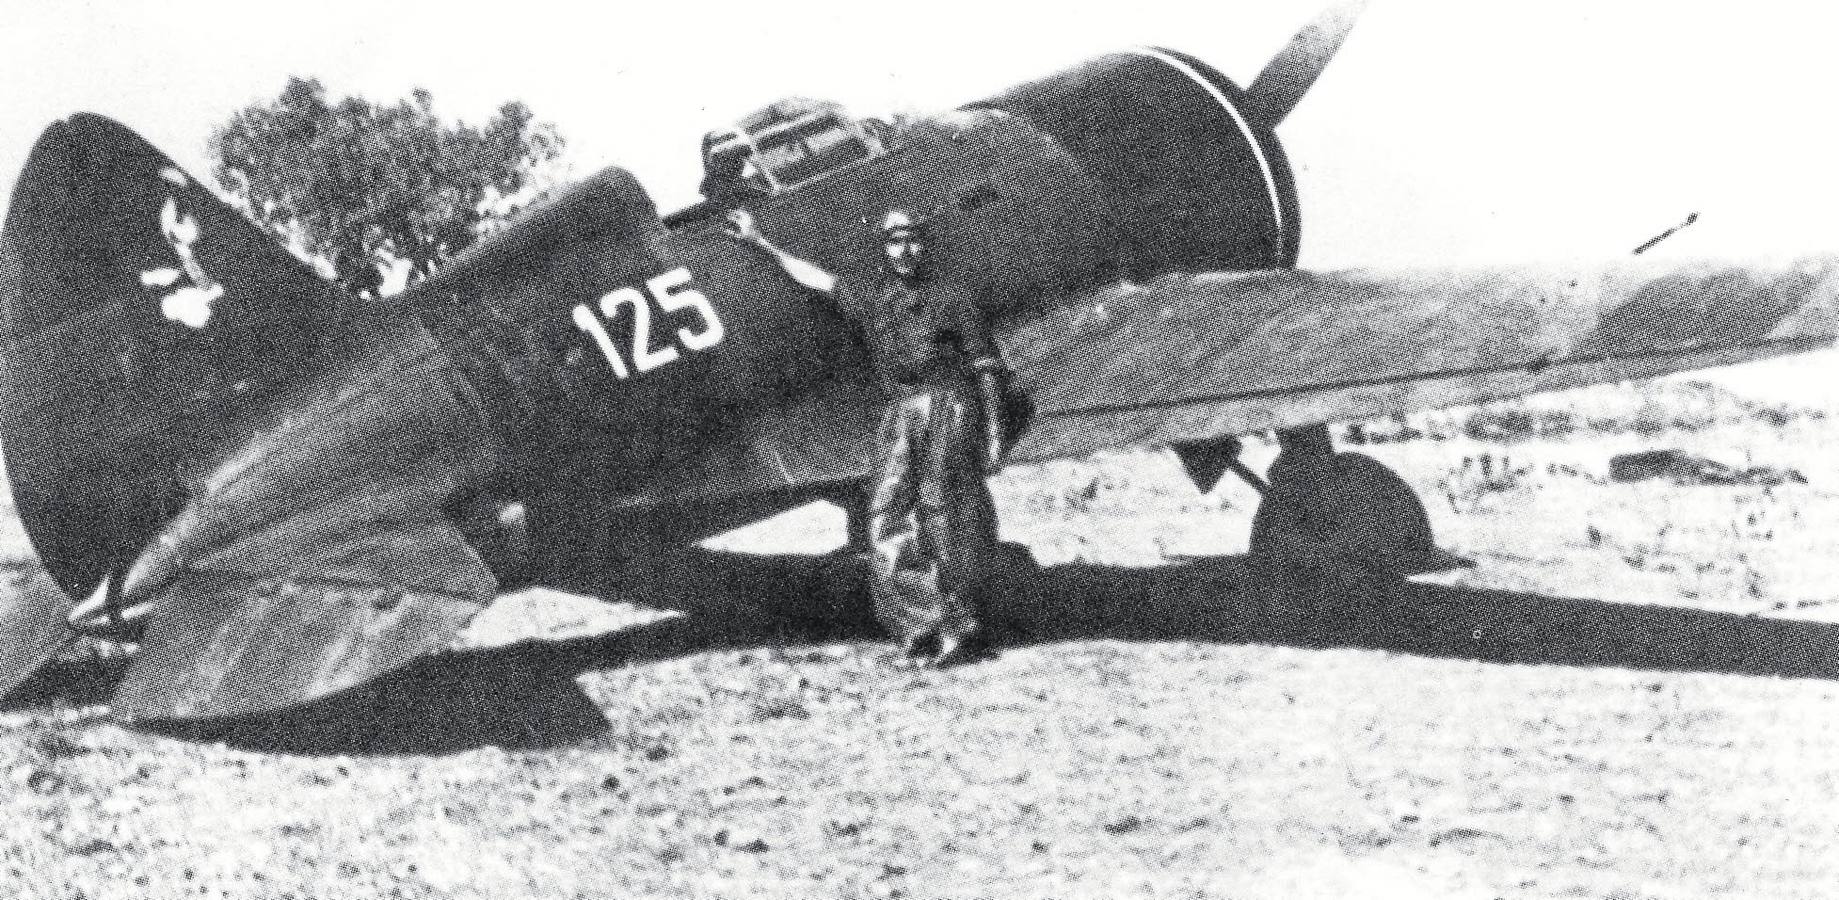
x: 226, y: 644
x: 32, y: 622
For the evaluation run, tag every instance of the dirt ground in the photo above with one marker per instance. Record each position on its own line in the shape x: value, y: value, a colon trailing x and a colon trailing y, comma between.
x: 1635, y: 694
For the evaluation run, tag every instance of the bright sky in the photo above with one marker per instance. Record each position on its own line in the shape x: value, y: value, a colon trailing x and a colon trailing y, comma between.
x: 1446, y: 131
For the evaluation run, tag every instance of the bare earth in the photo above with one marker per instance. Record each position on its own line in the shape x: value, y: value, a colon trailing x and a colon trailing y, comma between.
x: 1634, y: 695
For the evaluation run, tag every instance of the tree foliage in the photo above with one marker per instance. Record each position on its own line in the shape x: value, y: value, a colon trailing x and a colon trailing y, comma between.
x: 364, y: 184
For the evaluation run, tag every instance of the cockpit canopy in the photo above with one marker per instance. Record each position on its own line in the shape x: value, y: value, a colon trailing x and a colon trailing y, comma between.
x: 785, y: 145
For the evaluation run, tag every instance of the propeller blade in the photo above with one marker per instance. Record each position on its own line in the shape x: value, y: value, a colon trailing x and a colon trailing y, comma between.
x: 1289, y: 74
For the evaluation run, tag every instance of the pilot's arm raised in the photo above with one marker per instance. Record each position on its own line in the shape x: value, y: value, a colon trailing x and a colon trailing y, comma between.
x: 741, y: 224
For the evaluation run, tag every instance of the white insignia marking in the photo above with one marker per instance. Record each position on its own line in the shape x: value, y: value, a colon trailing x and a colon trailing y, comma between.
x: 190, y: 304
x: 159, y: 278
x: 673, y: 292
x: 174, y: 176
x: 178, y: 230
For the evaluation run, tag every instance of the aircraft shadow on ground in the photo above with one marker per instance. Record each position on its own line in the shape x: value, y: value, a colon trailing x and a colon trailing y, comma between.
x: 1225, y: 600
x: 525, y: 696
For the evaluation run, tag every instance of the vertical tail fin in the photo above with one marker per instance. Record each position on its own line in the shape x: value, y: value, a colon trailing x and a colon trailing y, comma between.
x: 140, y: 319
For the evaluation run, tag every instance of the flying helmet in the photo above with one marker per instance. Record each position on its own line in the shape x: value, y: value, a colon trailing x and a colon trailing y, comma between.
x: 899, y: 222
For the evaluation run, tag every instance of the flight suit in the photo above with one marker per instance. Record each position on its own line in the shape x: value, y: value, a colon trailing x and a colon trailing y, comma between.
x: 932, y: 521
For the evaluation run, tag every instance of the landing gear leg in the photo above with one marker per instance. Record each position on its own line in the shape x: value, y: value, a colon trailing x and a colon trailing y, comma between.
x: 855, y: 501
x: 1207, y: 460
x: 844, y: 572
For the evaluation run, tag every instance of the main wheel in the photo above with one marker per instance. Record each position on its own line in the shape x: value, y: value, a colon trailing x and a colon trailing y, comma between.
x: 1356, y: 501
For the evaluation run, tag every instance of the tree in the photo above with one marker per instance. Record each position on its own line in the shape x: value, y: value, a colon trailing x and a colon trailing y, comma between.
x: 363, y: 185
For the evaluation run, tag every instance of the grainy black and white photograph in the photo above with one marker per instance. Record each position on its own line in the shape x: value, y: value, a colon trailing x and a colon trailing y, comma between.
x: 1242, y: 449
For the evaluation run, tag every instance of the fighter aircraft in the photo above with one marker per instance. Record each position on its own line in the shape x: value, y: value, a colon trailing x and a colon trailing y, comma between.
x: 282, y: 491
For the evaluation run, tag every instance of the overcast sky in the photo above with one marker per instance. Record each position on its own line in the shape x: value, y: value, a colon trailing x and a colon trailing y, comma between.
x: 1446, y: 131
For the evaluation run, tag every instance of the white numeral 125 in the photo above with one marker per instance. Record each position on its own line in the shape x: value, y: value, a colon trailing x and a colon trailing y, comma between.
x: 672, y: 292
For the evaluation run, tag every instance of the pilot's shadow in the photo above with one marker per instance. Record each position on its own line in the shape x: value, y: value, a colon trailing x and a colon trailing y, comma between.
x: 525, y: 696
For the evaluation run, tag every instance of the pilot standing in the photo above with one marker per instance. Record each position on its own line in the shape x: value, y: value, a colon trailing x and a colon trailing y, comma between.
x: 932, y: 522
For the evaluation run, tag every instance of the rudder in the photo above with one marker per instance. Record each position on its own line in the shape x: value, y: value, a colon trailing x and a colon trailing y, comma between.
x: 141, y: 319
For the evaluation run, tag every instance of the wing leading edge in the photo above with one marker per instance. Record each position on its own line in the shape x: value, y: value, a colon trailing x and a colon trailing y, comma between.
x: 1192, y: 357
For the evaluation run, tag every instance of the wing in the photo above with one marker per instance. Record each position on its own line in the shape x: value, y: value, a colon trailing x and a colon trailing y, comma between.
x: 823, y: 438
x: 1196, y: 356
x: 321, y: 553
x: 1191, y: 357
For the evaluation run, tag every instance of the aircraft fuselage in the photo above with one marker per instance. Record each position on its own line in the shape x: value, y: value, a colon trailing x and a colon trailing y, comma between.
x: 613, y: 345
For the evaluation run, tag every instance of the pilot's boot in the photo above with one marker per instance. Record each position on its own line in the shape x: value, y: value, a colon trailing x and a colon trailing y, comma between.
x: 964, y: 579
x: 904, y: 587
x: 926, y: 585
x: 957, y: 649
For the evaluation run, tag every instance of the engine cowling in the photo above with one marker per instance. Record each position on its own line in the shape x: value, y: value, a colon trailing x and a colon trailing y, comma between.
x: 1192, y: 180
x: 1128, y: 165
